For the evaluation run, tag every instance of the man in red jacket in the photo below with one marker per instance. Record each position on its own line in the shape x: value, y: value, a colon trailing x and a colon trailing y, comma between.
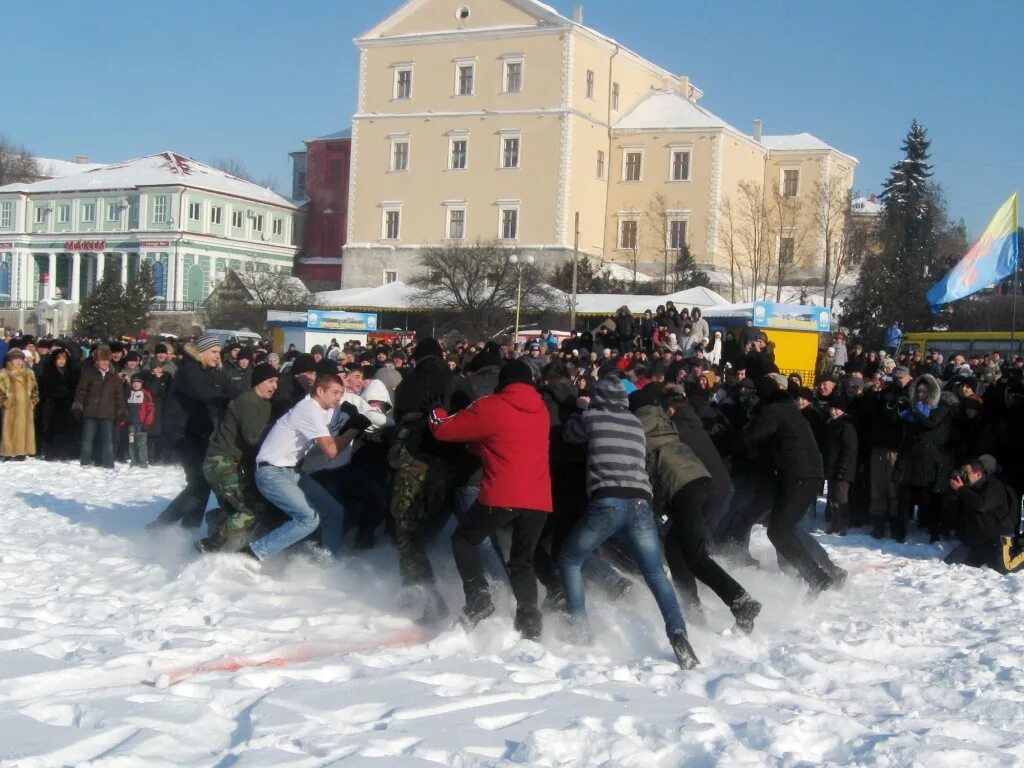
x: 509, y: 431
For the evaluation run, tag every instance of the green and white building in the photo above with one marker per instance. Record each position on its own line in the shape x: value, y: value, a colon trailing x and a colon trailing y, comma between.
x: 193, y: 223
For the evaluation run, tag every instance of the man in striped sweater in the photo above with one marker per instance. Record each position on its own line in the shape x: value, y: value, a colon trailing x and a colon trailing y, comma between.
x: 619, y: 505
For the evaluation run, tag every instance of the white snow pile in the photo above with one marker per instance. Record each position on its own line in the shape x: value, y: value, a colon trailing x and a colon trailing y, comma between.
x: 122, y: 648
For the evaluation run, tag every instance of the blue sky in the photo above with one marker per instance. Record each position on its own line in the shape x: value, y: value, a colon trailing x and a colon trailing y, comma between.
x: 249, y: 80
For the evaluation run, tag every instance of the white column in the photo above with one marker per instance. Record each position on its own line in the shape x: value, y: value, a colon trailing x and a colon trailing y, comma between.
x: 170, y: 276
x: 124, y: 268
x: 76, y: 277
x: 99, y: 267
x: 179, y: 277
x: 51, y: 277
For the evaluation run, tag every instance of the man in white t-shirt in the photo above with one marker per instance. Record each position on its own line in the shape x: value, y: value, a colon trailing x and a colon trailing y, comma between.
x: 277, y: 464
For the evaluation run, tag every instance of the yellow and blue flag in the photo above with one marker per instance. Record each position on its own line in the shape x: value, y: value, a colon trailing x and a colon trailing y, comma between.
x: 992, y: 258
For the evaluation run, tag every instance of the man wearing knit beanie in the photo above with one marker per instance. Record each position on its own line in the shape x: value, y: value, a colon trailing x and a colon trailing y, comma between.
x: 229, y: 465
x: 619, y: 492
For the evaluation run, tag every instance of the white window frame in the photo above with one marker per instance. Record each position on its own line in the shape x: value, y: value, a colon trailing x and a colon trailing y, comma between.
x: 40, y: 214
x: 257, y: 222
x: 197, y: 208
x: 623, y: 217
x: 238, y: 216
x: 591, y: 84
x: 399, y: 69
x: 159, y: 209
x: 390, y: 276
x: 277, y: 226
x: 450, y: 208
x: 216, y: 214
x: 386, y: 209
x: 615, y: 96
x: 452, y: 138
x: 396, y: 140
x: 64, y: 213
x: 506, y: 62
x: 602, y: 164
x: 782, y: 181
x: 673, y: 150
x: 113, y: 212
x: 6, y: 213
x: 459, y: 65
x: 87, y: 213
x: 509, y: 206
x: 517, y: 137
x: 626, y: 152
x: 676, y: 218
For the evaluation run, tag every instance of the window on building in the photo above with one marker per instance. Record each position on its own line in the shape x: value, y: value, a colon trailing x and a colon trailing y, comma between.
x: 40, y: 214
x: 676, y: 234
x: 459, y: 155
x: 159, y: 209
x: 513, y: 76
x: 510, y: 152
x: 400, y: 155
x: 278, y: 227
x: 300, y: 184
x: 464, y: 79
x: 257, y: 223
x: 114, y: 212
x: 634, y: 164
x: 390, y: 276
x: 590, y: 84
x: 790, y: 183
x: 509, y: 223
x: 88, y: 213
x: 195, y: 211
x: 680, y: 165
x: 6, y: 214
x: 627, y: 234
x: 600, y: 163
x: 403, y: 83
x: 615, y: 96
x: 215, y: 214
x: 237, y: 220
x: 63, y: 213
x: 456, y: 223
x: 787, y: 249
x: 392, y: 224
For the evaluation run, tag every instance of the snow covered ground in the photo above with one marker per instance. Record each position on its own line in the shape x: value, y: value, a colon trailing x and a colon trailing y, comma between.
x: 915, y: 663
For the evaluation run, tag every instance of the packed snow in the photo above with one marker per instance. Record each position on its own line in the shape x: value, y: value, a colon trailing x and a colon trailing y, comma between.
x: 120, y: 647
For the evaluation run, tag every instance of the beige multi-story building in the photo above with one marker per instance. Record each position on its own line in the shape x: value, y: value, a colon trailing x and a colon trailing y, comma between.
x: 503, y: 119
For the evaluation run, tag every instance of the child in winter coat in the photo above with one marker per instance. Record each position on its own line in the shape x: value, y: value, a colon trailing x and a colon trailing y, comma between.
x: 141, y: 414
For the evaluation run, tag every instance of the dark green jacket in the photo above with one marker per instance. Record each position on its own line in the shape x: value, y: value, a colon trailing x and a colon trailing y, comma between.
x: 240, y: 432
x: 670, y: 462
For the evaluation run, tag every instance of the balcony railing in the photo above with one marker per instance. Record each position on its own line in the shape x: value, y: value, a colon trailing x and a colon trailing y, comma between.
x: 174, y: 306
x: 12, y: 304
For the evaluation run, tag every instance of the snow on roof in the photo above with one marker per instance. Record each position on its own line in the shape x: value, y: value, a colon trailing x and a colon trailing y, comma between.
x: 163, y: 169
x: 51, y: 167
x: 668, y: 109
x: 866, y: 206
x: 795, y: 142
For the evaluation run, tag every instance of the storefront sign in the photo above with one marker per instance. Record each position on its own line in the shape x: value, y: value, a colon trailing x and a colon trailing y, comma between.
x: 6, y: 245
x: 792, y: 317
x: 155, y: 244
x: 97, y: 246
x: 317, y: 320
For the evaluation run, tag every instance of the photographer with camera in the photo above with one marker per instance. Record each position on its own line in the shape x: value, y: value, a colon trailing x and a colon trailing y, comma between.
x: 987, y: 510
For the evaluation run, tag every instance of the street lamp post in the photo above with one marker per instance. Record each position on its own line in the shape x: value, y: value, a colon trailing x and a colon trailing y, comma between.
x: 518, y: 263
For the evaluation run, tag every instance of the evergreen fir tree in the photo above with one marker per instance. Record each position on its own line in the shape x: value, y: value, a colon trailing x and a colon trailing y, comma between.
x: 114, y: 310
x: 687, y: 273
x: 917, y: 246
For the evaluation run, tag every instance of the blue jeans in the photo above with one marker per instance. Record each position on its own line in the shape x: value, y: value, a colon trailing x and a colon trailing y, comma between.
x: 105, y: 427
x: 330, y: 510
x: 631, y: 522
x: 280, y: 486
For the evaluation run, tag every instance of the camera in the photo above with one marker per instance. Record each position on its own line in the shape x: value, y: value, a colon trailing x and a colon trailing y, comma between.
x: 961, y: 475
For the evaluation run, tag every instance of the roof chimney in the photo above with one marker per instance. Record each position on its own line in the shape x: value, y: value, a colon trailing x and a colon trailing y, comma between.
x: 577, y: 13
x: 81, y: 159
x: 757, y: 130
x: 684, y: 87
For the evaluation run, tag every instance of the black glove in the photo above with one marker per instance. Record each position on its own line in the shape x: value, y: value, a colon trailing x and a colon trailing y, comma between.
x: 358, y: 422
x: 349, y: 409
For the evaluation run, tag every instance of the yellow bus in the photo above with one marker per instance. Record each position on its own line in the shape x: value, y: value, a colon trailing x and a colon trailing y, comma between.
x: 966, y: 343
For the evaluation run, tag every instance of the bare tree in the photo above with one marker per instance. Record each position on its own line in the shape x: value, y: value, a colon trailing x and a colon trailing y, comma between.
x: 235, y: 167
x: 479, y: 285
x: 786, y: 213
x: 658, y: 221
x: 750, y: 240
x: 16, y: 163
x: 245, y: 296
x: 847, y: 239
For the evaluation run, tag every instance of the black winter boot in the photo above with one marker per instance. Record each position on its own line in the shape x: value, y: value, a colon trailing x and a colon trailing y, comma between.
x: 476, y: 611
x: 529, y: 624
x: 683, y: 650
x: 878, y: 528
x: 745, y: 610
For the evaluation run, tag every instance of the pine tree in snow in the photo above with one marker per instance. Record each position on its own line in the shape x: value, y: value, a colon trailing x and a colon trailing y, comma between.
x: 907, y: 190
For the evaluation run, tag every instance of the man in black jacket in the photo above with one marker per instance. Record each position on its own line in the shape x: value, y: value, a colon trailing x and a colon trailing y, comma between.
x: 886, y: 434
x: 294, y: 385
x: 840, y: 462
x: 778, y: 429
x: 194, y: 405
x: 988, y: 511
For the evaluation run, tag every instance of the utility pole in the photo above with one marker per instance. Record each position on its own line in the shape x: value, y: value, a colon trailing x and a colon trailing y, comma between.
x: 575, y: 265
